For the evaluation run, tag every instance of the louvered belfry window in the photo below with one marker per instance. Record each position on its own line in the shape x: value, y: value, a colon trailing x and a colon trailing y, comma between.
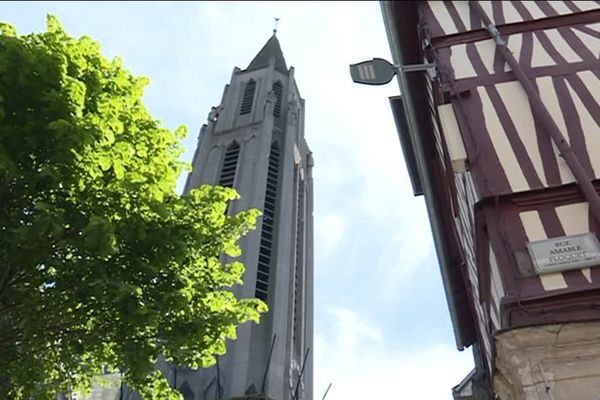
x: 266, y: 239
x: 248, y: 97
x: 229, y: 165
x: 278, y: 89
x: 298, y: 268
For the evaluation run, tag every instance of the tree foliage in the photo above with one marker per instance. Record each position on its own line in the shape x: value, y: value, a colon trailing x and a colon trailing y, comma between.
x: 102, y: 264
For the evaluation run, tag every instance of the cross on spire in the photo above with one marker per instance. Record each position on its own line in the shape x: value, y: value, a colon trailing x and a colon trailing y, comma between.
x: 276, y: 21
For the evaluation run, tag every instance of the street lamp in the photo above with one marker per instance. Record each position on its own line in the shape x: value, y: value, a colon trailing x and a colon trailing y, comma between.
x: 379, y: 71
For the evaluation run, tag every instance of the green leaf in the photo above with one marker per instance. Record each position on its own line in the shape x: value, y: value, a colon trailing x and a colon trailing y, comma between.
x: 7, y: 30
x: 118, y: 169
x: 53, y: 24
x: 104, y: 163
x: 109, y: 136
x: 114, y: 268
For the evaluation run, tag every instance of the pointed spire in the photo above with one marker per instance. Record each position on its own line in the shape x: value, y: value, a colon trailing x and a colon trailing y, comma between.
x: 270, y: 49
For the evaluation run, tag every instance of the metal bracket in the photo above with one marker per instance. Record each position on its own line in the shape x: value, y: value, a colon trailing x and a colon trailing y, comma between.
x: 414, y: 67
x: 418, y: 67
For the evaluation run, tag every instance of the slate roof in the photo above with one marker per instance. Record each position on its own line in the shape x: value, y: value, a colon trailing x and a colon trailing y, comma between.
x: 270, y: 49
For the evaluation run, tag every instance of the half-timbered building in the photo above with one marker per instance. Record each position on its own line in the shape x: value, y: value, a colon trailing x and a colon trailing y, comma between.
x: 501, y: 133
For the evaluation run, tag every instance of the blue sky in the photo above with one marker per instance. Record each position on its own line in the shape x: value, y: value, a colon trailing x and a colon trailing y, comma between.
x: 381, y: 327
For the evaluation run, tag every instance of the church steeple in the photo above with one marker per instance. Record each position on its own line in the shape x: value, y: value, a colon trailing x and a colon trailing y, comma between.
x: 270, y: 49
x: 254, y: 142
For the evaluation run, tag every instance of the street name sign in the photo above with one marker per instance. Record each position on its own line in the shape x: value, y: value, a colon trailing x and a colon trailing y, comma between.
x: 564, y: 253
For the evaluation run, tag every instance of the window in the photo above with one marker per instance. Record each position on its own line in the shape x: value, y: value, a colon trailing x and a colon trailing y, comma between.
x: 298, y: 267
x: 266, y: 237
x: 278, y: 89
x: 248, y: 97
x: 229, y: 165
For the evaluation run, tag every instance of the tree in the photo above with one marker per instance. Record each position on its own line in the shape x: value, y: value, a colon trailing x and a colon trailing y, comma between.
x: 102, y: 264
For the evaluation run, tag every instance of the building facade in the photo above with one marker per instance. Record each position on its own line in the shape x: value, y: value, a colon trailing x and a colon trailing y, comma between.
x: 501, y: 134
x: 254, y: 142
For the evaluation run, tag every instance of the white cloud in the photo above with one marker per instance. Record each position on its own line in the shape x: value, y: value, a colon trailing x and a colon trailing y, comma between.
x: 329, y: 232
x: 402, y: 256
x: 361, y: 363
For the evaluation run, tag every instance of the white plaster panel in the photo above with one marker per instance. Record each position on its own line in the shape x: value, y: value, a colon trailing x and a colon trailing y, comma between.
x: 561, y: 45
x: 497, y: 287
x: 591, y: 42
x: 514, y: 44
x: 550, y: 99
x: 517, y: 104
x: 443, y: 16
x: 461, y: 63
x: 456, y: 147
x: 560, y: 7
x: 587, y: 5
x: 533, y: 225
x: 497, y: 291
x: 462, y: 7
x: 486, y: 50
x: 591, y: 130
x: 533, y: 9
x: 486, y: 5
x: 595, y: 26
x: 574, y: 220
x: 535, y: 231
x: 501, y: 144
x: 540, y: 58
x: 494, y: 318
x: 510, y: 12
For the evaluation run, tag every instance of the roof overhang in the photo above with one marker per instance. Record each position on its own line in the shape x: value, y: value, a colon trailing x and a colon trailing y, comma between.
x: 406, y: 143
x: 401, y: 20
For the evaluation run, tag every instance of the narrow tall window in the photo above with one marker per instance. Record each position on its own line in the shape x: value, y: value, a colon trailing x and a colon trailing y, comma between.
x: 229, y: 165
x: 248, y: 97
x: 278, y: 89
x: 298, y: 268
x: 266, y: 238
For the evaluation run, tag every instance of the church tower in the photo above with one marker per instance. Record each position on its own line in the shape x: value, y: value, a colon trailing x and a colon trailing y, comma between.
x: 254, y: 142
